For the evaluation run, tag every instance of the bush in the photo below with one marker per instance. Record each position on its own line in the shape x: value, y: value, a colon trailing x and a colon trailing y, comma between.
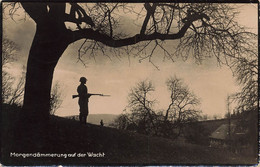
x: 196, y: 133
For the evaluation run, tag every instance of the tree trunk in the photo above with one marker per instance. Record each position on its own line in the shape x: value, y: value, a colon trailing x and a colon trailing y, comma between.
x: 47, y: 47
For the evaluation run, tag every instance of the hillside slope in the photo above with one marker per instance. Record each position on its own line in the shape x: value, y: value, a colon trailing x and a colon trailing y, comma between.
x: 110, y: 146
x: 96, y: 118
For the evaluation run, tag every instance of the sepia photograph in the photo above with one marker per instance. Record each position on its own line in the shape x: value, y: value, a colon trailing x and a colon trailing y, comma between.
x: 113, y: 83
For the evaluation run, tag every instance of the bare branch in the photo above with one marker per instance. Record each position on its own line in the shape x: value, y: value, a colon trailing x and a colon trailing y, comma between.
x: 182, y: 101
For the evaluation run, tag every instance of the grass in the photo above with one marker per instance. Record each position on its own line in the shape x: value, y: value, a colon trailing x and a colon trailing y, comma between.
x: 65, y: 136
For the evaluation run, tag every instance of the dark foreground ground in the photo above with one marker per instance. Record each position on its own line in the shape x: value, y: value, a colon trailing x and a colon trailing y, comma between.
x: 66, y: 142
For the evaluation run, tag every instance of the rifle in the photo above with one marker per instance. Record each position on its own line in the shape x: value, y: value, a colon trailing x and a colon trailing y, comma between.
x: 89, y: 94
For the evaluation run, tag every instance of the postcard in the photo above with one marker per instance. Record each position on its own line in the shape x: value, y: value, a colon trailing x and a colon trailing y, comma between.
x: 137, y: 83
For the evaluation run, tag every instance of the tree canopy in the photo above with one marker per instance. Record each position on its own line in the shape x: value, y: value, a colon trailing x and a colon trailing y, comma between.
x: 204, y: 29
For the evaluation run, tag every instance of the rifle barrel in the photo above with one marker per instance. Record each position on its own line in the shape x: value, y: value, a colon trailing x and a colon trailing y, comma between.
x: 106, y: 95
x: 74, y: 96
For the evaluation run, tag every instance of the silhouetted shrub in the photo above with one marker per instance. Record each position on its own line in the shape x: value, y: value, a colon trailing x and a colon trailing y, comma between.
x: 196, y: 133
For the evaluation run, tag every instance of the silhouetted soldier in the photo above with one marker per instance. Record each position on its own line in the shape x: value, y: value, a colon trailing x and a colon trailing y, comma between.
x: 101, y: 122
x: 83, y: 100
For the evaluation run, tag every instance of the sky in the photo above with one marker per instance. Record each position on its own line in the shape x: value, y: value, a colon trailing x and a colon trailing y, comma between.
x: 210, y: 82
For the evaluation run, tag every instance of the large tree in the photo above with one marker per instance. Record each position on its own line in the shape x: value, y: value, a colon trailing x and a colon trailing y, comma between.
x: 201, y: 30
x: 13, y: 88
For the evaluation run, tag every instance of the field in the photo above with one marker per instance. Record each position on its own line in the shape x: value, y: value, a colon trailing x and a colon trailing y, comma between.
x: 66, y: 142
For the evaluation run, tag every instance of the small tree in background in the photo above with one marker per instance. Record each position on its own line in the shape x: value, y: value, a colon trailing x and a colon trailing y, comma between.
x: 246, y: 73
x: 11, y: 94
x: 7, y: 81
x: 121, y: 122
x: 9, y: 51
x: 141, y: 107
x: 56, y: 98
x: 182, y: 109
x: 17, y: 93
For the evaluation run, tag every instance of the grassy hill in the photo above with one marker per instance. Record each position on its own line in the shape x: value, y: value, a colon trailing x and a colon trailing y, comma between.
x: 96, y: 118
x: 65, y: 137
